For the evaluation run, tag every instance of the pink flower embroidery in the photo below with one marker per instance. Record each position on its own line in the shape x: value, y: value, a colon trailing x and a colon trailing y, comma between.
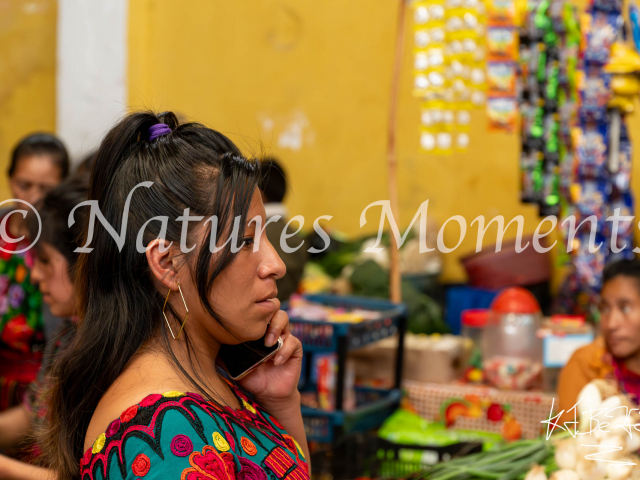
x: 209, y: 464
x: 250, y: 470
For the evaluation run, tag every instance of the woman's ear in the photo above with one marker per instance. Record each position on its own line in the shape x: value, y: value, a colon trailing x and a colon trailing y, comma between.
x: 162, y: 262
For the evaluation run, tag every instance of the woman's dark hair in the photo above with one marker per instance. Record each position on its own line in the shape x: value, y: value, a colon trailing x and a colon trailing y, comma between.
x: 85, y: 165
x: 54, y: 210
x: 41, y: 144
x: 273, y: 181
x: 622, y: 268
x: 120, y: 308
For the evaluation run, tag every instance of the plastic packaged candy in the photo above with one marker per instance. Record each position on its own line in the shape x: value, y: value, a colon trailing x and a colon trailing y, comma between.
x: 590, y: 198
x: 502, y: 113
x: 601, y: 34
x: 502, y: 43
x: 595, y: 92
x: 501, y: 79
x: 608, y: 5
x: 621, y: 206
x: 591, y: 151
x: 550, y: 198
x: 501, y: 12
x: 589, y: 263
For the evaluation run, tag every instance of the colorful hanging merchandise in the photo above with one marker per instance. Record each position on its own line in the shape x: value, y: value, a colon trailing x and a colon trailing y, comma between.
x: 549, y: 48
x: 502, y: 56
x: 449, y: 66
x: 597, y: 185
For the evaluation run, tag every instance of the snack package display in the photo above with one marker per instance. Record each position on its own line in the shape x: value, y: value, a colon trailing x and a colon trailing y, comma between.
x: 449, y: 70
x: 594, y: 140
x: 502, y: 41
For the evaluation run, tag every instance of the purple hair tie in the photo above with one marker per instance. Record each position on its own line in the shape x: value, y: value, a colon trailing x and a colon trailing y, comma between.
x: 158, y: 130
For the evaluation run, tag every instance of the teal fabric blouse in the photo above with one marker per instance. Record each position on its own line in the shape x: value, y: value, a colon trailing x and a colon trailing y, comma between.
x: 182, y: 436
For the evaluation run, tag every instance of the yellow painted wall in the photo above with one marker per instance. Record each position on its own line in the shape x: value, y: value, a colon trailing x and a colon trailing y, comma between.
x: 27, y: 74
x: 258, y: 69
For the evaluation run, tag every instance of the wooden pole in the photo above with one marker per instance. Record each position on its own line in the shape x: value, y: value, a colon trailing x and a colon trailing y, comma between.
x: 395, y: 290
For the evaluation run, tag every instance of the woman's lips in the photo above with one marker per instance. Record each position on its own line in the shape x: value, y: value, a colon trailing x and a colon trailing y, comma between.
x: 270, y: 304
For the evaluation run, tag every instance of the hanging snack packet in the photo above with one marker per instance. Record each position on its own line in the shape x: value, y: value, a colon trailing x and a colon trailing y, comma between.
x: 600, y: 35
x: 591, y: 151
x: 589, y: 264
x: 590, y: 198
x: 502, y: 44
x: 502, y: 114
x: 594, y: 92
x: 501, y: 12
x: 501, y: 79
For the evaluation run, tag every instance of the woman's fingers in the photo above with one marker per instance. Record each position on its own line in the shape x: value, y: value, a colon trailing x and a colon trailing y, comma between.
x: 279, y: 326
x: 291, y: 345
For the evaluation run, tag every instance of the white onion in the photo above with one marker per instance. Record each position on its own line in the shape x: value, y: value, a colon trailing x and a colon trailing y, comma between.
x: 536, y: 473
x: 565, y: 475
x: 566, y: 454
x: 591, y: 470
x: 618, y: 471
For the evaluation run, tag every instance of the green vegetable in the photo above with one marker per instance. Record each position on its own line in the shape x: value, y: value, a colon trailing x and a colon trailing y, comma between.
x: 510, y: 462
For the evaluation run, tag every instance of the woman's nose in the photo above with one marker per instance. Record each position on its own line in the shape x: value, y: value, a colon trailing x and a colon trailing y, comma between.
x: 272, y: 264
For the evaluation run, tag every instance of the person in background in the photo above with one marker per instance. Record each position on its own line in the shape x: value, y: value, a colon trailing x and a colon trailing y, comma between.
x: 615, y: 354
x: 38, y: 163
x: 53, y: 269
x: 273, y: 186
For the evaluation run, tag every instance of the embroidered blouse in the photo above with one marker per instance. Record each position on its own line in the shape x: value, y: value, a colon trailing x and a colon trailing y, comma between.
x: 21, y: 327
x: 182, y: 436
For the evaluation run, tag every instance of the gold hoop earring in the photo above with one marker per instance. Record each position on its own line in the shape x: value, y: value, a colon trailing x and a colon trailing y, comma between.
x: 175, y: 337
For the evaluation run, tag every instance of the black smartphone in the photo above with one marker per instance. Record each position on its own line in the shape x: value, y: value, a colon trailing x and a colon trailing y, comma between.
x: 240, y: 359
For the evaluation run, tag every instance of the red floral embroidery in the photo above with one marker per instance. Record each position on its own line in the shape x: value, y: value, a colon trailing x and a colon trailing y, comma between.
x: 141, y: 465
x: 17, y: 333
x: 250, y: 470
x: 209, y: 464
x: 231, y: 441
x: 150, y: 400
x: 129, y: 413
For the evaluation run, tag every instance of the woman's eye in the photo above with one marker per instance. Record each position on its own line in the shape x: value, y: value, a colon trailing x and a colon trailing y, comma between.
x: 626, y: 309
x: 248, y: 241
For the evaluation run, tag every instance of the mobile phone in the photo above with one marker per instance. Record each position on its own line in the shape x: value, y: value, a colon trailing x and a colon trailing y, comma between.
x: 240, y: 359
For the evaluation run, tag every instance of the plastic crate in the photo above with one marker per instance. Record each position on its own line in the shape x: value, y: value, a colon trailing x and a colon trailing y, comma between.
x: 373, y: 407
x: 392, y: 461
x: 368, y: 456
x: 322, y: 335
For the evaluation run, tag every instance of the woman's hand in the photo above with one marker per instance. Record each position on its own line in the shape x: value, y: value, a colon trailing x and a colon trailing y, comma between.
x: 275, y: 383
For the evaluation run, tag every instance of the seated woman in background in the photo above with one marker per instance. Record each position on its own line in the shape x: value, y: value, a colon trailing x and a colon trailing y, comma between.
x: 616, y: 353
x: 138, y: 393
x: 38, y: 163
x: 53, y: 268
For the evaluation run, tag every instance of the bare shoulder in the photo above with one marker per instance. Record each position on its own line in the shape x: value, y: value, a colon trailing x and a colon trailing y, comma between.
x: 146, y: 374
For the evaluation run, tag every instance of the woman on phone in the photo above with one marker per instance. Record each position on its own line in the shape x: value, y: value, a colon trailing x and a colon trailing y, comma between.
x: 138, y: 394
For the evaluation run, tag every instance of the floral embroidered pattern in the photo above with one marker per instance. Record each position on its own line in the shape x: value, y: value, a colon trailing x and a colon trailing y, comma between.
x: 20, y: 301
x: 250, y: 470
x: 209, y: 464
x: 254, y: 432
x: 181, y: 445
x: 220, y: 443
x: 141, y: 465
x: 248, y: 446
